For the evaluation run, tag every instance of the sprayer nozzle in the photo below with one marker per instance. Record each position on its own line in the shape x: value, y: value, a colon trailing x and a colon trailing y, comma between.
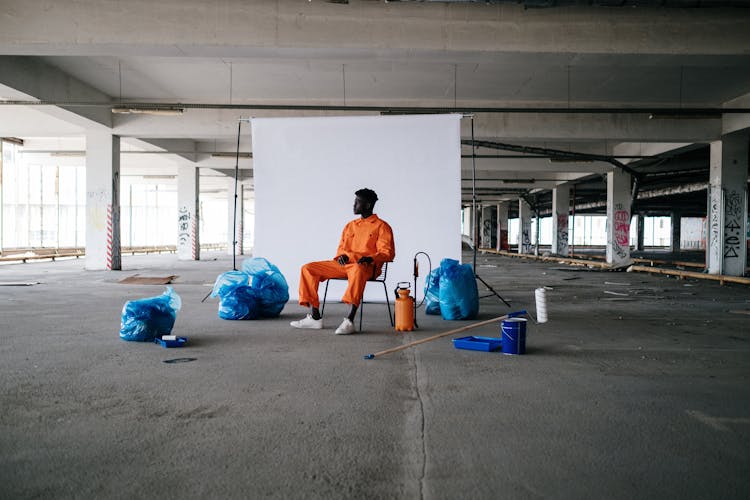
x: 369, y: 356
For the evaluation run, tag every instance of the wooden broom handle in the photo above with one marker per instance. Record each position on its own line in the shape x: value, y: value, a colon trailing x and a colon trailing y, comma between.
x: 444, y: 334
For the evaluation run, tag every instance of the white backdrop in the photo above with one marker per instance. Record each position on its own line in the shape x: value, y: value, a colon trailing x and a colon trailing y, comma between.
x: 306, y: 171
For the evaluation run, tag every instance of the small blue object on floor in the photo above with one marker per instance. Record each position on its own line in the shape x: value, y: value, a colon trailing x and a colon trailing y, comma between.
x: 178, y: 342
x: 477, y: 343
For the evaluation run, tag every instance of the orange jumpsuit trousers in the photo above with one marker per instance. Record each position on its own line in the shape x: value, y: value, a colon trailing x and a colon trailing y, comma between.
x: 313, y: 273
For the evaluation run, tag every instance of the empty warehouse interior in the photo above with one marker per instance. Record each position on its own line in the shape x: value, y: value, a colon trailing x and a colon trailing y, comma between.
x: 597, y: 156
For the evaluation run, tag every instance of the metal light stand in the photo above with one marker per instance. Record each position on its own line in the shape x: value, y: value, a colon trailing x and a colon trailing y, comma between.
x: 234, y: 216
x: 474, y: 213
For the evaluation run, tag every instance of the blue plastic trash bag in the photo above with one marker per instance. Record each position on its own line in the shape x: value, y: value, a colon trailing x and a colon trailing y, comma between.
x: 432, y: 292
x: 239, y: 303
x: 236, y: 297
x: 228, y: 281
x: 459, y: 297
x: 270, y: 286
x: 145, y: 319
x: 259, y: 290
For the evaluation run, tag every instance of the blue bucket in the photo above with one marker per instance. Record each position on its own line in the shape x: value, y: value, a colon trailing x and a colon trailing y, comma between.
x: 514, y: 335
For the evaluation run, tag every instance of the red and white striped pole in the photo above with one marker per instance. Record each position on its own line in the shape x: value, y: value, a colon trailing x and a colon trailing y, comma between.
x: 193, y: 238
x: 109, y: 237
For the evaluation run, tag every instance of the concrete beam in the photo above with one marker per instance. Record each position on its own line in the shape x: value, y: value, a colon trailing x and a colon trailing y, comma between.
x: 527, y: 166
x: 83, y: 27
x: 44, y: 82
x: 184, y: 148
x: 514, y: 176
x: 650, y: 148
x: 544, y: 185
x: 580, y: 126
x: 735, y: 122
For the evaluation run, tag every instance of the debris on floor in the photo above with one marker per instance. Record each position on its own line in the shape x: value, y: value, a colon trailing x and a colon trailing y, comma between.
x: 148, y: 280
x: 179, y: 360
x: 19, y: 283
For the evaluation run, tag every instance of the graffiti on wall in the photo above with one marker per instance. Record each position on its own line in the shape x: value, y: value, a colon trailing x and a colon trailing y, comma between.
x: 714, y: 225
x: 183, y: 228
x: 733, y: 215
x: 562, y: 234
x: 486, y: 233
x: 621, y: 236
x: 526, y: 237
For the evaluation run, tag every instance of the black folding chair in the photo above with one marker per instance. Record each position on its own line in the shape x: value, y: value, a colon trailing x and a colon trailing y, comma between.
x: 376, y: 279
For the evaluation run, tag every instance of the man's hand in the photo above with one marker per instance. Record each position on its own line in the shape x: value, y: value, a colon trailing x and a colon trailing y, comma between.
x: 342, y: 259
x: 365, y: 260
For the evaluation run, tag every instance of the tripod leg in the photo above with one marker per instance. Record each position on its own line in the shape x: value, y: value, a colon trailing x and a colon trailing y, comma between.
x: 491, y: 290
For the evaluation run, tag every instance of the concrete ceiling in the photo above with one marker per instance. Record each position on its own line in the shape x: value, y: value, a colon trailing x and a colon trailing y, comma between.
x: 573, y: 78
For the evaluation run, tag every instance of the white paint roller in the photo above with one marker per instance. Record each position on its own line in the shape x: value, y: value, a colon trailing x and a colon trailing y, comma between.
x: 541, y: 305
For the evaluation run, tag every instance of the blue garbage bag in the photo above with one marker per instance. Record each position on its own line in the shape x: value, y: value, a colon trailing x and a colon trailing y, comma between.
x: 145, y: 319
x: 236, y: 297
x: 239, y: 303
x: 228, y: 281
x: 459, y: 297
x: 432, y: 292
x: 258, y: 290
x: 270, y: 286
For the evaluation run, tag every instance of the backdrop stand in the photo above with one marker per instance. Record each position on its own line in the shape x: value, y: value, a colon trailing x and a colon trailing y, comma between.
x: 476, y: 218
x: 234, y: 215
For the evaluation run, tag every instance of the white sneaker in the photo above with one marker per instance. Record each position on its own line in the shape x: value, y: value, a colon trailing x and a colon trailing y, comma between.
x: 345, y: 328
x: 308, y: 322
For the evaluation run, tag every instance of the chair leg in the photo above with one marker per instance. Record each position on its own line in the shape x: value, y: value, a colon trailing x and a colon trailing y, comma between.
x: 325, y: 294
x: 388, y: 303
x: 361, y: 311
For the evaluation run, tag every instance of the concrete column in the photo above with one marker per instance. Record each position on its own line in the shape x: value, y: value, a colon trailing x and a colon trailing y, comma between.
x: 188, y: 228
x: 102, y: 201
x: 524, y: 227
x: 502, y: 226
x: 489, y: 226
x: 618, y: 218
x: 560, y: 208
x: 727, y: 205
x: 470, y: 224
x: 466, y: 221
x: 476, y: 215
x: 676, y: 220
x: 639, y: 229
x: 235, y: 224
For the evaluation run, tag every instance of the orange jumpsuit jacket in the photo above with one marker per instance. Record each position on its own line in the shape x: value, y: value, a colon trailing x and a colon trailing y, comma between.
x: 369, y: 237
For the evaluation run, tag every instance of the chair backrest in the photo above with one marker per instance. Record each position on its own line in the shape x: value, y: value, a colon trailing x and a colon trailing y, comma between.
x: 383, y: 273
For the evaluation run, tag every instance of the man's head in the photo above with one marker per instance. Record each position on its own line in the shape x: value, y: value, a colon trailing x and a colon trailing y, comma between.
x: 364, y: 201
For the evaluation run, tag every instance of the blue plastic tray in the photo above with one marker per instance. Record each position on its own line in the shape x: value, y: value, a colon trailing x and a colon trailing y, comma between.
x: 171, y: 343
x: 478, y: 343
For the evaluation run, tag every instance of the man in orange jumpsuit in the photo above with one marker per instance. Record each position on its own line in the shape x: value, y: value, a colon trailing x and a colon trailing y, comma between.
x: 366, y: 243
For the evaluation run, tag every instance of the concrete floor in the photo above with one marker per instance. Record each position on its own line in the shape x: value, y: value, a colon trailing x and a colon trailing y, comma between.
x: 641, y: 395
